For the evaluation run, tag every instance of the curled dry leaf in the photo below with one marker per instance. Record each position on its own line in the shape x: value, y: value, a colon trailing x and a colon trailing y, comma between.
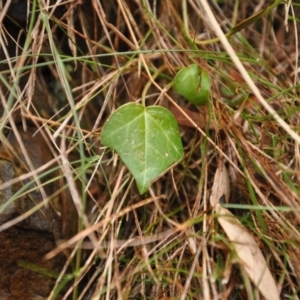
x: 221, y: 187
x: 248, y: 252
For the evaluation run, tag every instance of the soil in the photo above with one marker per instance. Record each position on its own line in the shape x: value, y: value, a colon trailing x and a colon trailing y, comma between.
x: 22, y: 259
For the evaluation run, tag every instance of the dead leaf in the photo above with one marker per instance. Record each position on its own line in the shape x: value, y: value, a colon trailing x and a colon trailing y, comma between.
x: 247, y: 250
x: 251, y: 258
x: 221, y: 187
x: 189, y: 118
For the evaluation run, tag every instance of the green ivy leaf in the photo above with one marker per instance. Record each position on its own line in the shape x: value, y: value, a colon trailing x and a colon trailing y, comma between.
x: 146, y: 138
x: 193, y: 84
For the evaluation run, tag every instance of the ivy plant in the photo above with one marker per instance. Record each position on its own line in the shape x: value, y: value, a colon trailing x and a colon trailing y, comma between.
x: 193, y: 84
x: 147, y: 139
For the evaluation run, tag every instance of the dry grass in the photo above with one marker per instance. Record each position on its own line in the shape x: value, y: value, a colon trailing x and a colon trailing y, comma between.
x: 166, y: 244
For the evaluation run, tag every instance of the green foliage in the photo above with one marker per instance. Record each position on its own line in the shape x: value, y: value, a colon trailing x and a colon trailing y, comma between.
x: 193, y: 84
x: 146, y: 138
